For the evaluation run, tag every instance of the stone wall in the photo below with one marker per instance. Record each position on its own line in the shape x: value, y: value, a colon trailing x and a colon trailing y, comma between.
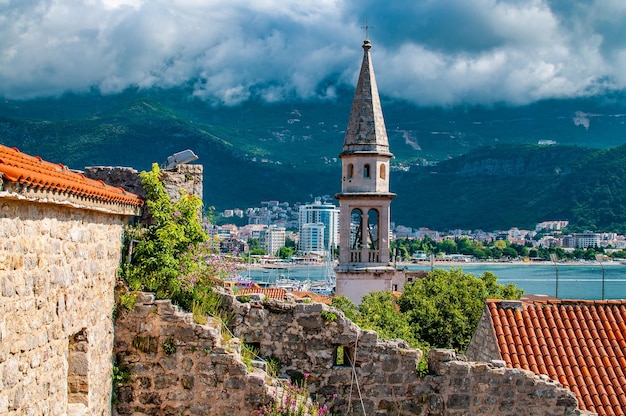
x: 187, y: 177
x: 57, y: 275
x: 484, y: 345
x: 306, y: 338
x: 180, y: 367
x: 204, y: 377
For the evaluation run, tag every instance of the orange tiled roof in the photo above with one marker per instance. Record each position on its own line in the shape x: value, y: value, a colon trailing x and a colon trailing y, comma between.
x: 315, y: 297
x: 35, y: 173
x: 581, y: 344
x: 270, y: 292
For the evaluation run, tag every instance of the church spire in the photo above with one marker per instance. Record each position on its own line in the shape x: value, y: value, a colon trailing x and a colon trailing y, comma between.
x: 366, y: 127
x: 365, y: 200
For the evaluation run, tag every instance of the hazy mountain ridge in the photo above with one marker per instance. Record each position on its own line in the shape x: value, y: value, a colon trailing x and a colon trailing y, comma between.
x: 470, y: 167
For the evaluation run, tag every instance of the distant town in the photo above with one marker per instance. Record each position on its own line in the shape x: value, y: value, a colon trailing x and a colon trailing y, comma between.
x: 312, y: 230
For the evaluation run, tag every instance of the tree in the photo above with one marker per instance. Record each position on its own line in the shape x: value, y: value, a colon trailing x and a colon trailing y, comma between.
x: 172, y: 256
x: 290, y: 243
x: 173, y: 229
x: 285, y: 252
x: 444, y: 307
x: 258, y: 252
x: 378, y: 311
x: 510, y: 252
x: 464, y: 245
x: 344, y: 304
x: 501, y: 244
x: 254, y: 243
x: 448, y: 246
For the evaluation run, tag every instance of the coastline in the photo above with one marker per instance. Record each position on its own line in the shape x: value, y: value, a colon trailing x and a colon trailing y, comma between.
x: 460, y: 264
x: 443, y: 263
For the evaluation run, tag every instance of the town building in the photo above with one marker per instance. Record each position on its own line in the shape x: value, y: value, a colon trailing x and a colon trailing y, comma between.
x: 551, y: 225
x: 312, y: 238
x: 582, y: 240
x: 365, y: 200
x: 272, y: 239
x: 61, y: 249
x: 315, y: 217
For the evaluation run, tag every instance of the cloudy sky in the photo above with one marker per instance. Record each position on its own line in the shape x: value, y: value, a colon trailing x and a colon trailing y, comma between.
x: 440, y: 52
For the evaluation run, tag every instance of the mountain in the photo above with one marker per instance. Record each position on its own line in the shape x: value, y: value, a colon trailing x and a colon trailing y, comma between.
x: 462, y: 167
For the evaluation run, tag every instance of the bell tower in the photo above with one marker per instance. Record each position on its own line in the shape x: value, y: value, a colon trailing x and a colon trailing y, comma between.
x: 365, y: 200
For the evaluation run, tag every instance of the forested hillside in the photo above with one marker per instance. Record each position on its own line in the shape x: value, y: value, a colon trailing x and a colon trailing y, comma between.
x: 452, y: 168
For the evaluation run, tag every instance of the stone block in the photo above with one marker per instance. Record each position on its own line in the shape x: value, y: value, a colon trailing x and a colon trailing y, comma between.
x: 163, y: 381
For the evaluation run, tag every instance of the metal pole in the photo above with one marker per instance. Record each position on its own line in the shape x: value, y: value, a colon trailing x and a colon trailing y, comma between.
x: 554, y: 258
x: 599, y: 258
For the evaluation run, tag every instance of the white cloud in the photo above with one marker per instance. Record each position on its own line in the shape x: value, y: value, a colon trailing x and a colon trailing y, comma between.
x: 444, y: 52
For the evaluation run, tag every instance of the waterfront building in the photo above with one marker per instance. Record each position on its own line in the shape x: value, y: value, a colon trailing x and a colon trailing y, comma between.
x: 233, y: 245
x: 365, y: 200
x: 272, y: 239
x: 312, y: 238
x: 582, y: 240
x: 318, y: 213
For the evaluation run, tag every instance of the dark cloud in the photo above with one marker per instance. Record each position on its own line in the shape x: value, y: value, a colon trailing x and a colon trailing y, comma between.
x: 428, y: 51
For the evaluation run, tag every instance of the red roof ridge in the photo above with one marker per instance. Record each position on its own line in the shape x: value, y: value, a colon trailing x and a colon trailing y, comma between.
x: 577, y: 342
x: 35, y: 173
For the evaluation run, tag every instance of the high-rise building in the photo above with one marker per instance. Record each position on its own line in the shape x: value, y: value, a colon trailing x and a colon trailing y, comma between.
x: 318, y: 213
x: 272, y: 239
x: 312, y: 238
x: 365, y: 200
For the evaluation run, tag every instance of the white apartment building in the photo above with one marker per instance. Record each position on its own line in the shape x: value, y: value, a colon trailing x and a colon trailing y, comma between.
x: 318, y: 213
x: 312, y: 238
x: 272, y: 239
x: 582, y: 240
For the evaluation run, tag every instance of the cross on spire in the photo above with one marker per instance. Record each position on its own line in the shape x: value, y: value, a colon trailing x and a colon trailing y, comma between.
x: 367, y: 28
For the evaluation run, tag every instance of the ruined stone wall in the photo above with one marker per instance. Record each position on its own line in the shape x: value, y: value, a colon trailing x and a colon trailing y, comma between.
x: 201, y: 375
x: 305, y: 337
x: 187, y: 177
x: 57, y: 275
x: 177, y: 366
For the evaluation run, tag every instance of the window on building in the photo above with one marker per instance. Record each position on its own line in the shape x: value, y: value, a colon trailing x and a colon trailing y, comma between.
x: 373, y: 226
x: 350, y: 172
x: 356, y: 228
x: 383, y: 172
x: 366, y: 171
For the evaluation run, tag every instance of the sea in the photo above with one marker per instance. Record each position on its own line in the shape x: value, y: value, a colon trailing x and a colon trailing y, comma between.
x: 588, y: 281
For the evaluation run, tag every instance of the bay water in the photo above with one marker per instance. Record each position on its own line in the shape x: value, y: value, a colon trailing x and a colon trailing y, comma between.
x: 574, y: 280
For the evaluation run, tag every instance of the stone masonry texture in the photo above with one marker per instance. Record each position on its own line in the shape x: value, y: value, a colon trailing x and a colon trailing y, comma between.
x: 179, y: 367
x: 203, y: 374
x: 57, y: 276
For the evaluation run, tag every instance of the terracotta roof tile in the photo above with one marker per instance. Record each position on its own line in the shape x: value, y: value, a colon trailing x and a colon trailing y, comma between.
x: 578, y: 343
x: 272, y: 292
x: 315, y: 297
x: 35, y: 173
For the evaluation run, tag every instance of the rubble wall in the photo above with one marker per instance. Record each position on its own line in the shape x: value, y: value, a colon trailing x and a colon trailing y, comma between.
x: 187, y: 177
x: 305, y: 337
x: 203, y: 377
x: 177, y: 366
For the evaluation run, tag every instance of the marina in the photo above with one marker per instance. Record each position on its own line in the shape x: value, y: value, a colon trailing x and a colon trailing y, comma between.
x: 575, y: 280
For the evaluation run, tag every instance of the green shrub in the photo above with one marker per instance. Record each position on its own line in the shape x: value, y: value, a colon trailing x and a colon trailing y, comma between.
x: 329, y: 316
